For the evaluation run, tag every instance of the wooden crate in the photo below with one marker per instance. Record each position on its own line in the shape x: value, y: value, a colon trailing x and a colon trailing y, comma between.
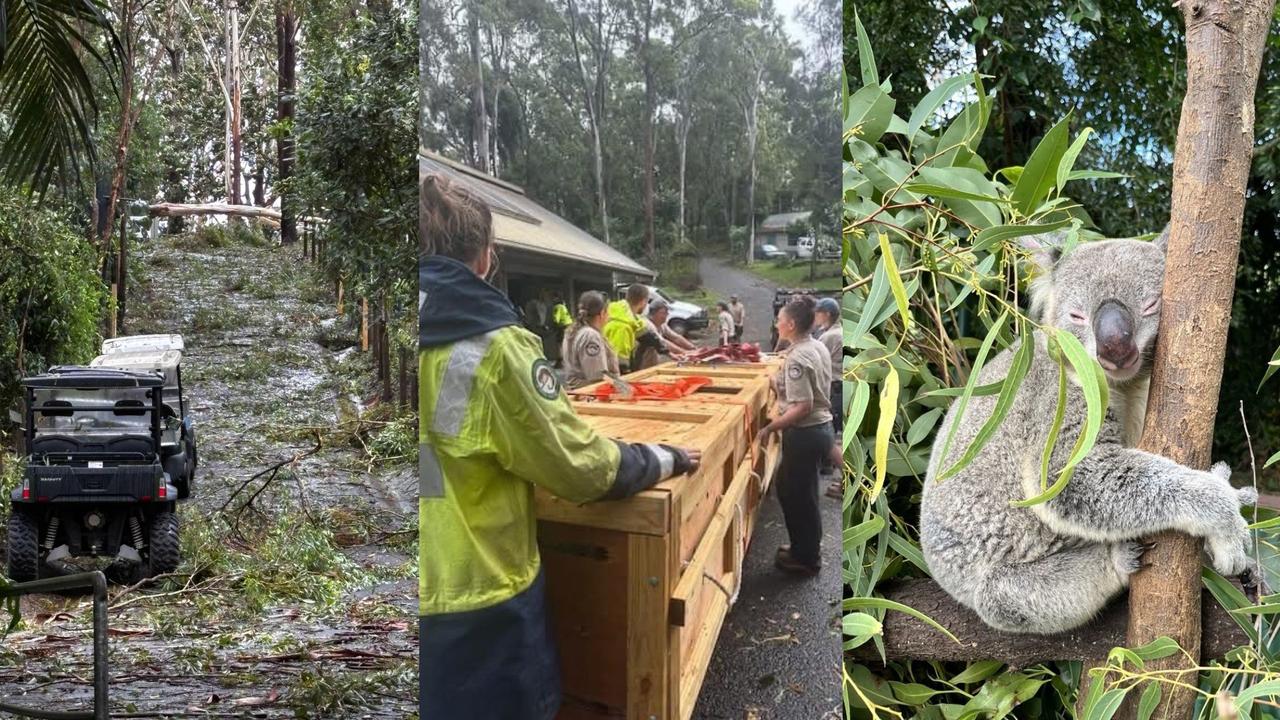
x: 639, y: 588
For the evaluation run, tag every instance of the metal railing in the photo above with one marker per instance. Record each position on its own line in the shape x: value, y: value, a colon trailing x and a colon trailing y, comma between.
x: 98, y: 583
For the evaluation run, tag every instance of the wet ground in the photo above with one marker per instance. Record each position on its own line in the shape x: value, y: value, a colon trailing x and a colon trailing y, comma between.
x: 778, y: 655
x: 297, y: 594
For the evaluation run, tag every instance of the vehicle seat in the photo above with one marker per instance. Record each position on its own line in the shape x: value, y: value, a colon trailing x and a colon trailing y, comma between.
x: 130, y: 407
x: 54, y: 444
x: 130, y: 444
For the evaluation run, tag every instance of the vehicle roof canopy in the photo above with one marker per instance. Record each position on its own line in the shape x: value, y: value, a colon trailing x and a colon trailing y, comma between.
x: 72, y: 376
x: 142, y: 343
x: 142, y: 360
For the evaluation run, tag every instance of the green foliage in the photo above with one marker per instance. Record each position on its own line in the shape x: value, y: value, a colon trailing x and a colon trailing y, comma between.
x: 50, y: 296
x: 935, y: 268
x: 46, y: 90
x: 934, y: 265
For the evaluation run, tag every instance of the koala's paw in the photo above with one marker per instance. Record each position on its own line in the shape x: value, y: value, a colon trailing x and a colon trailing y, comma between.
x: 1228, y: 553
x: 1248, y: 496
x: 1126, y: 556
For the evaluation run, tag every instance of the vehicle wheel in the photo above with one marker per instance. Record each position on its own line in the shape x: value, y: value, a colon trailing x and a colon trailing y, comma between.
x: 23, y: 548
x: 164, y: 553
x: 680, y: 327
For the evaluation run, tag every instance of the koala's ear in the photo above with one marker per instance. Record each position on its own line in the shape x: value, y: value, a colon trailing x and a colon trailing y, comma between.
x: 1045, y: 249
x: 1162, y: 240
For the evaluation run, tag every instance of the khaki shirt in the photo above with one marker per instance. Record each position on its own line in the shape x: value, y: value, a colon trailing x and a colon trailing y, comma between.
x: 726, y: 327
x: 806, y: 377
x: 586, y: 357
x: 833, y: 339
x: 739, y: 312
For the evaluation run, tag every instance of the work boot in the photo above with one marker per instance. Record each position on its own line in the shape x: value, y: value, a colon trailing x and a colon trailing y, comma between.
x: 790, y: 565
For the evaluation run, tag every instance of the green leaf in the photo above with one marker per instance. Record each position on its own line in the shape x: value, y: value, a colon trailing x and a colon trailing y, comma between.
x: 866, y: 58
x: 978, y: 364
x: 862, y: 532
x: 984, y: 269
x: 1094, y: 383
x: 1051, y: 442
x: 980, y: 23
x: 876, y: 296
x: 1244, y: 701
x: 861, y: 396
x: 870, y: 110
x: 1161, y: 647
x: 1107, y: 705
x: 914, y: 694
x: 1069, y: 157
x: 934, y: 100
x: 1022, y: 360
x: 923, y: 425
x: 1094, y: 175
x: 884, y: 427
x: 907, y: 550
x: 989, y: 238
x: 1230, y: 598
x: 984, y: 211
x: 943, y: 191
x: 882, y: 603
x: 960, y: 140
x: 977, y: 672
x: 979, y: 391
x: 1150, y: 699
x: 861, y: 624
x: 1040, y: 172
x: 895, y: 282
x: 1271, y: 370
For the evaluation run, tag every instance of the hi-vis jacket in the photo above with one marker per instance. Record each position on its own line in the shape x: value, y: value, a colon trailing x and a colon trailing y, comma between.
x: 494, y: 423
x: 622, y: 328
x: 560, y: 315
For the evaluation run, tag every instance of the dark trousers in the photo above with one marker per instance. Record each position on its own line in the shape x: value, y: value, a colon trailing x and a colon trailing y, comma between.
x: 497, y: 663
x: 837, y: 407
x: 803, y: 449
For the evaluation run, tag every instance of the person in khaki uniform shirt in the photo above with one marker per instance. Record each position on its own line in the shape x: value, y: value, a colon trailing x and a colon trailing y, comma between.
x: 804, y: 419
x: 587, y: 355
x: 738, y: 312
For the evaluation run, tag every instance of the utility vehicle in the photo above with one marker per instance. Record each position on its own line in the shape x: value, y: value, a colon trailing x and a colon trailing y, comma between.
x: 108, y: 457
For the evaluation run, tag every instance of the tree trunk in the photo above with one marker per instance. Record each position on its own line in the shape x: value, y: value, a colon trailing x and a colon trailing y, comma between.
x: 683, y: 124
x: 593, y: 100
x: 128, y: 71
x: 269, y: 215
x: 1225, y: 39
x: 286, y: 88
x: 650, y: 242
x: 480, y: 118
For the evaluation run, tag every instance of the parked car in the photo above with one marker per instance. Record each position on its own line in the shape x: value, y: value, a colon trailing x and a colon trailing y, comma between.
x: 769, y: 252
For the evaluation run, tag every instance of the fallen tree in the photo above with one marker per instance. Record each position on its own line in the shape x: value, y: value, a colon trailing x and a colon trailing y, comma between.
x: 906, y: 638
x: 188, y: 209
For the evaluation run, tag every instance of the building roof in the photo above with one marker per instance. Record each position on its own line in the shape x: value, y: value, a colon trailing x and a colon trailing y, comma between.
x: 782, y: 221
x: 519, y: 222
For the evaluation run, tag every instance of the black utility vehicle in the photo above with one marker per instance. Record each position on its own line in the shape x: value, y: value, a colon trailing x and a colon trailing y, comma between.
x: 99, y: 480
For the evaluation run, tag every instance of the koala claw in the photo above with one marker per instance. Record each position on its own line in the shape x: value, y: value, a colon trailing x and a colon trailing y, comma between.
x: 1126, y: 556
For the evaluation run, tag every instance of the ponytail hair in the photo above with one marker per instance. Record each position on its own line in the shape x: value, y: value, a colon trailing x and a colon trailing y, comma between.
x: 590, y: 305
x: 452, y: 221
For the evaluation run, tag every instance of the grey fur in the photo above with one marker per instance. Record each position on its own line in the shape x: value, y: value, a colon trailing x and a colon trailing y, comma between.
x: 1053, y: 566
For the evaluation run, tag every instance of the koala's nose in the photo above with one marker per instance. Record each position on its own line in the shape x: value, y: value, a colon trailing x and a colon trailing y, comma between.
x: 1113, y: 329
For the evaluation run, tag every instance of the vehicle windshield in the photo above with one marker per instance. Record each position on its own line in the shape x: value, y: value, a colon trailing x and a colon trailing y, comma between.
x: 123, y: 410
x: 658, y: 294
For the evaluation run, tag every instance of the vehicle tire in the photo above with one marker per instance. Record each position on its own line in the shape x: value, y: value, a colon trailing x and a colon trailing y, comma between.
x: 680, y: 326
x: 164, y: 553
x: 23, y: 547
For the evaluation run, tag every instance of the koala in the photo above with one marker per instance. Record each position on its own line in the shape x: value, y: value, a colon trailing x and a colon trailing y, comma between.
x: 1052, y: 567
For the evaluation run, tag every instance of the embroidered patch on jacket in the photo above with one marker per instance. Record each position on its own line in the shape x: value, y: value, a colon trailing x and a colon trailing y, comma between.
x: 545, y: 380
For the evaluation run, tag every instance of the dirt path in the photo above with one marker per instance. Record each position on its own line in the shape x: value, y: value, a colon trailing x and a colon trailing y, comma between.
x: 755, y: 293
x: 296, y: 597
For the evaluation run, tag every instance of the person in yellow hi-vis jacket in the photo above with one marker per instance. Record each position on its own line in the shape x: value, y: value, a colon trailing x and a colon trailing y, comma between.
x: 624, y: 324
x: 494, y: 423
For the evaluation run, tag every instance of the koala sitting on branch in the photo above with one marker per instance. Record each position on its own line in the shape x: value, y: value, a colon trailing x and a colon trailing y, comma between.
x: 1053, y: 566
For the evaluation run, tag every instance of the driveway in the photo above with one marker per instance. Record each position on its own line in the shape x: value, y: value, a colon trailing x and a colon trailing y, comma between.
x: 755, y: 292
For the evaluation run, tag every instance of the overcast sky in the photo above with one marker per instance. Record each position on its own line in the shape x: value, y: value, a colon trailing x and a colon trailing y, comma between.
x: 795, y: 28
